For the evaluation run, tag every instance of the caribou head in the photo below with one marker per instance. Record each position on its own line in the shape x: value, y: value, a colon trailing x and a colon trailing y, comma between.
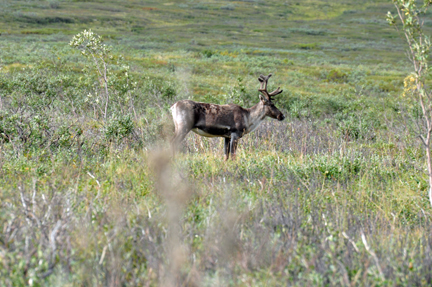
x: 267, y: 99
x: 228, y: 121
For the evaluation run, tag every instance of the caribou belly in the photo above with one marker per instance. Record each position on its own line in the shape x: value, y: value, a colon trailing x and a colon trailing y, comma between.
x: 212, y: 132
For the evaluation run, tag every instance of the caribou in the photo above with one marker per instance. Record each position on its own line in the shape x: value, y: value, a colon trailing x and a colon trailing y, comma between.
x: 231, y: 121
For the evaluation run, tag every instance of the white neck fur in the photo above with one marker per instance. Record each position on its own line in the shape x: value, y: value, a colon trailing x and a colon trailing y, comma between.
x: 255, y: 117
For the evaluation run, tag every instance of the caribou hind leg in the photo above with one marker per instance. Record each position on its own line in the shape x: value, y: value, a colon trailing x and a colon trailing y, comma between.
x: 177, y: 140
x: 183, y: 123
x: 181, y: 132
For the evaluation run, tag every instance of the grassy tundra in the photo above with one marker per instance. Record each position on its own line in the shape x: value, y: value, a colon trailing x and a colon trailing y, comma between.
x: 334, y: 195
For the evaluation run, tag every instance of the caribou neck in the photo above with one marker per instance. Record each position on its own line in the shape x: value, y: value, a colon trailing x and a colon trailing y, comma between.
x: 256, y: 115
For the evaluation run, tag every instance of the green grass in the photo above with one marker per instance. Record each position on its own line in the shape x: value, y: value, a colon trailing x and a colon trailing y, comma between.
x: 86, y: 200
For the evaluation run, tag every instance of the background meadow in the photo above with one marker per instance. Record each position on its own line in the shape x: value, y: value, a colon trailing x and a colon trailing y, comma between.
x: 334, y: 195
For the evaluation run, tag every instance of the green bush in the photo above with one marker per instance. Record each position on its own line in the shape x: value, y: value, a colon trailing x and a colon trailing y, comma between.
x: 308, y: 46
x: 207, y: 53
x: 159, y: 88
x: 118, y: 127
x: 353, y: 126
x: 336, y: 76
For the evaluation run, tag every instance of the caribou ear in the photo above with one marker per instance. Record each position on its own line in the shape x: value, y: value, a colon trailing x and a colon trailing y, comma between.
x: 264, y: 100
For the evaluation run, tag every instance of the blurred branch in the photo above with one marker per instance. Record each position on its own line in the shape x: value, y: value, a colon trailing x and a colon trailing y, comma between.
x: 368, y: 249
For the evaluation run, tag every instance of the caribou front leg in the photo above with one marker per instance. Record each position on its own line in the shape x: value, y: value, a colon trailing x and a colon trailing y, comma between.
x: 233, y: 145
x: 227, y: 148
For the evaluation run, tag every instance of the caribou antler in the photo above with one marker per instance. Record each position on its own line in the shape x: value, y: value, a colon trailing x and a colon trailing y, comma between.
x: 263, y: 89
